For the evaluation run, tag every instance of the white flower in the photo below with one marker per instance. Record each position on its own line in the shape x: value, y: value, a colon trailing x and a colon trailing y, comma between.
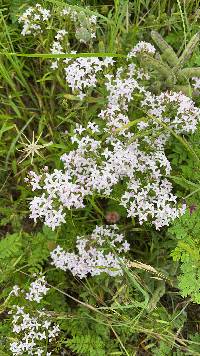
x: 94, y: 128
x: 60, y: 34
x: 79, y: 129
x: 54, y: 65
x: 46, y: 324
x: 15, y: 291
x: 196, y: 84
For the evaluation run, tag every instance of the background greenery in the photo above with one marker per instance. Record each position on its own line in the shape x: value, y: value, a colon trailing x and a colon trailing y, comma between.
x: 143, y: 313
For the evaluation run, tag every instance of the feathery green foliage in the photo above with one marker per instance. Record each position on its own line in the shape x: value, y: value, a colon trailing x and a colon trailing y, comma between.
x: 167, y: 68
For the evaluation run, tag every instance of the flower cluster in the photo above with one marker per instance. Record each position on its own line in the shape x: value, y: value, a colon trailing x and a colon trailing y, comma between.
x: 33, y: 18
x: 94, y: 253
x: 174, y: 109
x: 106, y: 156
x: 99, y: 162
x: 142, y: 47
x: 84, y: 175
x: 36, y: 290
x: 34, y: 180
x: 152, y: 201
x: 56, y: 45
x: 59, y: 46
x: 32, y: 331
x: 81, y: 73
x: 85, y: 25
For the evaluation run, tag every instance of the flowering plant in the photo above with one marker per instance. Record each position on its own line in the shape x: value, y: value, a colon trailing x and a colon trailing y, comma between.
x: 96, y: 227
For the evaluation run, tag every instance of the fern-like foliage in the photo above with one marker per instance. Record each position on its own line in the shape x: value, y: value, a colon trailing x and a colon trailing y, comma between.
x: 21, y: 249
x: 86, y: 345
x: 186, y: 230
x: 87, y: 337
